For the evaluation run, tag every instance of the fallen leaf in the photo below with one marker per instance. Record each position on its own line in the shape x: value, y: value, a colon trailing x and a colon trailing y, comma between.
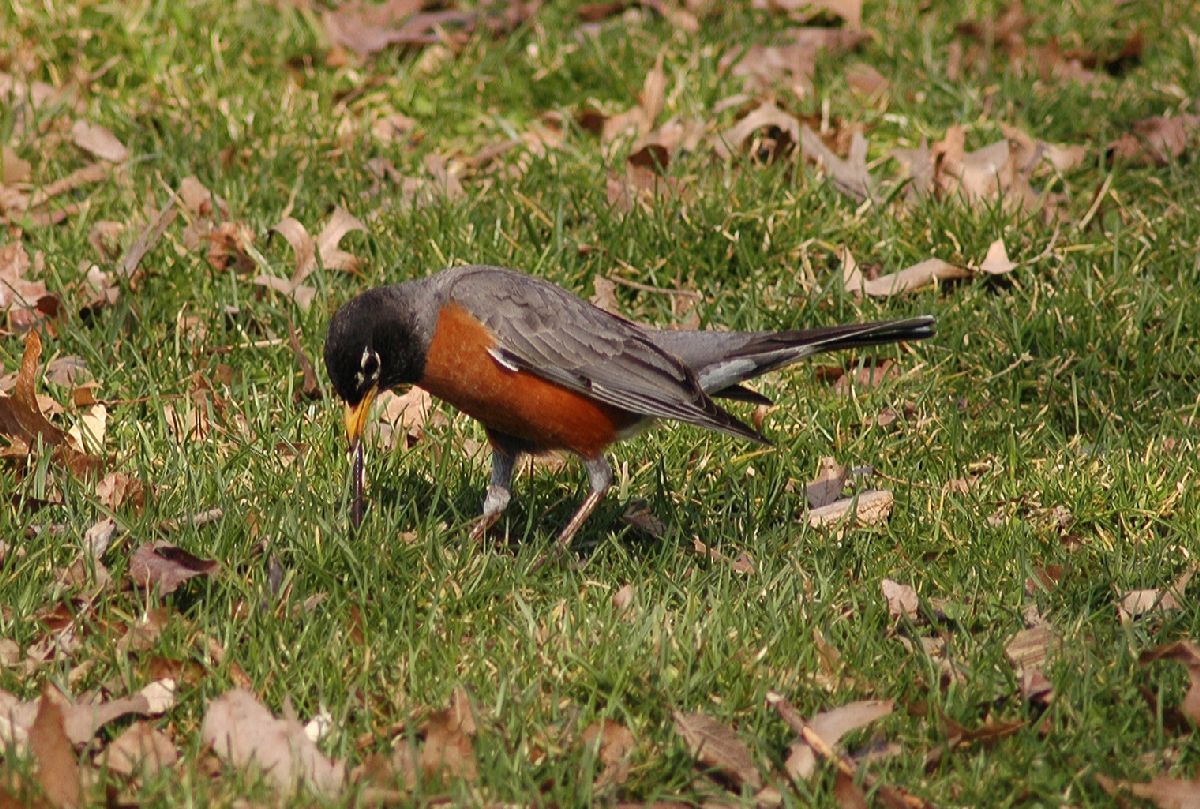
x: 790, y: 63
x: 1188, y: 654
x: 243, y: 733
x: 622, y: 600
x: 870, y: 507
x: 308, y: 251
x: 831, y: 726
x: 367, y: 28
x: 849, y: 176
x: 637, y: 515
x: 139, y: 749
x: 164, y: 567
x: 613, y: 743
x: 1155, y: 141
x: 1138, y: 603
x: 717, y: 746
x: 91, y: 173
x: 21, y: 295
x: 13, y: 169
x: 901, y: 599
x: 1035, y: 687
x: 57, y: 768
x: 827, y: 487
x: 130, y: 266
x: 1030, y: 648
x: 996, y: 261
x: 848, y: 10
x: 985, y: 735
x: 1164, y: 791
x: 448, y: 750
x: 401, y: 418
x: 116, y: 488
x: 911, y: 278
x: 1029, y: 152
x: 596, y: 12
x: 769, y: 117
x: 98, y: 141
x: 311, y: 387
x: 604, y: 294
x: 22, y: 420
x: 866, y: 80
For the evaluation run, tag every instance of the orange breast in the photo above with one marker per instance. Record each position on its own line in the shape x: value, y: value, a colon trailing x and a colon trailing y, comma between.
x: 459, y: 370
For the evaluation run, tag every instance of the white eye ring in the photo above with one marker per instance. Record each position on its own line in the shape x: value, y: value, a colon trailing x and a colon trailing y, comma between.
x: 369, y: 357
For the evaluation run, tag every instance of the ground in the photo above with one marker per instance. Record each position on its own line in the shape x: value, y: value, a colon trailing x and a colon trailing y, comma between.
x: 1041, y: 450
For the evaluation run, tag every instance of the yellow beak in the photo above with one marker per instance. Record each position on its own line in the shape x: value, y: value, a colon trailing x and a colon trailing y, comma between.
x: 356, y: 417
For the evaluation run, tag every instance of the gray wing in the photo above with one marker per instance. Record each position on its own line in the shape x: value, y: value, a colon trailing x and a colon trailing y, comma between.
x: 545, y: 330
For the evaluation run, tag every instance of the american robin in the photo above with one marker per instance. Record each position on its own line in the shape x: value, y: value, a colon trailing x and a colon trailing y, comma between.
x: 543, y: 369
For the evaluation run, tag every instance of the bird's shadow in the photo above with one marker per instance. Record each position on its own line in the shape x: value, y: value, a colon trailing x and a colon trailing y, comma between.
x: 541, y: 505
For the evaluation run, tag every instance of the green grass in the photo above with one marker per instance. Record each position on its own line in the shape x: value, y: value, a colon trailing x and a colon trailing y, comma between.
x: 1061, y: 381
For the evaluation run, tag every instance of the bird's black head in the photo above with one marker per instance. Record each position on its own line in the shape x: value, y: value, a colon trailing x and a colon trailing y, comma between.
x: 372, y: 345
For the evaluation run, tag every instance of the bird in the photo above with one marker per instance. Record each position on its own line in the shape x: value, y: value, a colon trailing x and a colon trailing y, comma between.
x: 543, y: 369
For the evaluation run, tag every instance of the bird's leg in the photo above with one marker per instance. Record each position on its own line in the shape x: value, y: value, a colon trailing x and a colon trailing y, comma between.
x: 499, y: 490
x: 599, y: 478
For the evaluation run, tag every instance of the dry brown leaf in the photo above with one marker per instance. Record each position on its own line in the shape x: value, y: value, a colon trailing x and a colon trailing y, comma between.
x: 762, y: 67
x: 401, y: 418
x: 849, y: 176
x: 827, y: 487
x: 1155, y: 141
x: 140, y: 749
x: 25, y: 299
x: 767, y: 116
x: 638, y: 516
x: 163, y: 567
x: 23, y: 423
x: 115, y: 488
x: 243, y: 733
x: 866, y: 80
x: 130, y: 266
x: 229, y: 245
x: 92, y: 173
x: 57, y: 768
x: 901, y: 599
x: 614, y: 744
x: 1028, y: 152
x: 311, y: 386
x: 604, y: 294
x: 1164, y: 791
x: 870, y: 507
x: 1035, y: 687
x: 1032, y: 647
x: 717, y: 747
x: 623, y: 599
x: 13, y: 169
x: 911, y: 278
x: 368, y: 28
x: 848, y: 10
x: 996, y: 262
x: 449, y: 751
x: 98, y: 141
x: 831, y: 726
x: 308, y: 250
x: 985, y: 735
x: 1138, y: 603
x: 1188, y: 654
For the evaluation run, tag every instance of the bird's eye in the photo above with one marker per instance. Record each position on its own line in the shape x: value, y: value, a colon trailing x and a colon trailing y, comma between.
x: 369, y: 364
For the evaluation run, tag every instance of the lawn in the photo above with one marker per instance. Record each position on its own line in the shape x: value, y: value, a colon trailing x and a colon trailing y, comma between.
x: 1041, y: 450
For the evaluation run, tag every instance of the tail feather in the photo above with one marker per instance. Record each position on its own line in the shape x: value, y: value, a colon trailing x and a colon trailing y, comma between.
x: 722, y: 360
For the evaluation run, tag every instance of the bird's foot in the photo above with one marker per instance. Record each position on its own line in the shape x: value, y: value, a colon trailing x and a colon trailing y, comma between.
x: 481, y: 526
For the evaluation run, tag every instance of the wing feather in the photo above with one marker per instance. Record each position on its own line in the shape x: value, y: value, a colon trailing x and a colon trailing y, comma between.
x: 545, y: 330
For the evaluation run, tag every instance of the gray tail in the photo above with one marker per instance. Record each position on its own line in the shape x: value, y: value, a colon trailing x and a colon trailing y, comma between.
x: 723, y: 360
